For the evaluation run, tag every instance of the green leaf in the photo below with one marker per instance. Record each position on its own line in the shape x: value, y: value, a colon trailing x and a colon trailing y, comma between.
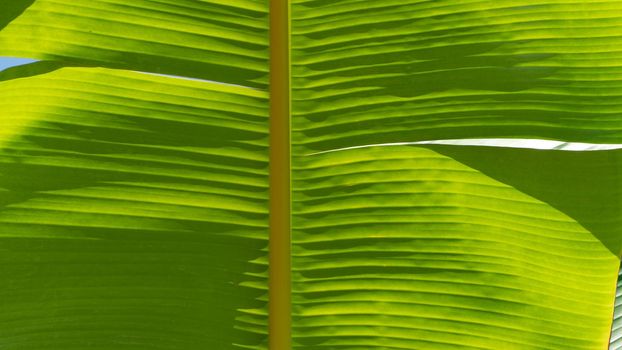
x: 409, y: 248
x: 213, y: 40
x: 133, y: 212
x: 454, y: 247
x: 403, y: 71
x: 134, y: 207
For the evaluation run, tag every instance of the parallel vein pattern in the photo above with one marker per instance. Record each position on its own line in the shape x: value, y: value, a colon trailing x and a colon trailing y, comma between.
x: 391, y: 71
x: 133, y: 212
x: 215, y: 40
x: 615, y: 342
x: 405, y: 248
x: 432, y: 248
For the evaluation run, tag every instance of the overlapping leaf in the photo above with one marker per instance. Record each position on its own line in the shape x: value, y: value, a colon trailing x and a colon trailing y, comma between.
x: 215, y: 40
x: 395, y: 71
x: 133, y: 212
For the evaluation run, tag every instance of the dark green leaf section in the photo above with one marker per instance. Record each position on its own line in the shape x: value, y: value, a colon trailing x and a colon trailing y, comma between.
x: 394, y: 71
x: 35, y: 68
x: 426, y: 248
x: 616, y: 328
x: 11, y: 9
x: 133, y: 212
x: 214, y: 40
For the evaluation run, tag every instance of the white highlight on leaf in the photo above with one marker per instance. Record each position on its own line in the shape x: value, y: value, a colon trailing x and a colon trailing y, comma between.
x: 511, y: 143
x: 198, y: 79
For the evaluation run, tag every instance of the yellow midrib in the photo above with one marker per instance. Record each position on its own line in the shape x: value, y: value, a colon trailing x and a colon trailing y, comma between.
x: 279, y: 336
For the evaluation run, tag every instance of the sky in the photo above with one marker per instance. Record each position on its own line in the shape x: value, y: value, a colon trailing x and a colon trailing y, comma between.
x: 6, y: 62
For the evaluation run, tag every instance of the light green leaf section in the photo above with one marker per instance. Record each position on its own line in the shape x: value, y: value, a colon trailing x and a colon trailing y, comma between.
x: 133, y: 212
x: 407, y: 70
x: 408, y: 248
x: 215, y: 40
